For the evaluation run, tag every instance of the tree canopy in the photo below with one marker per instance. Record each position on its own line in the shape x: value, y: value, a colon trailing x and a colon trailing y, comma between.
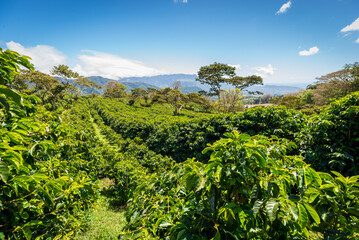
x: 217, y: 74
x: 114, y: 89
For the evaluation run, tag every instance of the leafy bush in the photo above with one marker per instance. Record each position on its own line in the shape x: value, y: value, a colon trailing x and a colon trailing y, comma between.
x: 331, y: 140
x: 250, y: 190
x: 169, y: 135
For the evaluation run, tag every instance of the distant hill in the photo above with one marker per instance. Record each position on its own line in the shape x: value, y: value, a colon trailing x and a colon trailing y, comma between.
x: 162, y: 81
x: 274, y: 89
x: 142, y: 85
x: 194, y: 89
x: 188, y: 82
x: 130, y: 85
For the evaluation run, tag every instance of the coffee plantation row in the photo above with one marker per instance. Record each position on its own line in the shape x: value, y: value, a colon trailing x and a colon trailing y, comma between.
x: 243, y: 187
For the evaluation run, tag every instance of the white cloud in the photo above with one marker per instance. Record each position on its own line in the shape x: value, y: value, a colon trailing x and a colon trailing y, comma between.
x: 284, y: 7
x: 357, y: 41
x: 43, y: 57
x: 184, y: 1
x: 352, y: 27
x: 237, y: 66
x: 311, y: 51
x: 112, y: 66
x: 264, y: 71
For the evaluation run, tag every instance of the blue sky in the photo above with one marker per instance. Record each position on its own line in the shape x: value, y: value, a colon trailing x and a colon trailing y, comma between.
x: 120, y: 38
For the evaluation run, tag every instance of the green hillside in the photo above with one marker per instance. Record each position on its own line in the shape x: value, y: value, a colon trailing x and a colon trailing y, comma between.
x: 118, y: 166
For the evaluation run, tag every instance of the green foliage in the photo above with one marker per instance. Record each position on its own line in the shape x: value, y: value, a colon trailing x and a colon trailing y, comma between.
x: 216, y: 74
x: 249, y: 189
x: 10, y: 63
x: 331, y: 140
x: 241, y: 186
x: 44, y: 188
x: 230, y: 101
x: 114, y: 89
x: 168, y: 135
x: 103, y: 222
x: 172, y: 96
x: 337, y: 84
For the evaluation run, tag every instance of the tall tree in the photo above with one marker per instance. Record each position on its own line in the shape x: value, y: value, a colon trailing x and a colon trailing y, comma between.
x: 218, y: 73
x: 231, y: 101
x: 138, y: 93
x: 336, y: 84
x: 177, y: 85
x: 114, y: 89
x: 171, y: 96
x: 41, y: 83
x: 215, y: 75
x: 242, y: 83
x: 70, y: 76
x: 354, y: 75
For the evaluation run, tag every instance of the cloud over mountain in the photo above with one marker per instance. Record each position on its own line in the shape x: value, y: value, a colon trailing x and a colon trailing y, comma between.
x: 43, y: 57
x: 111, y: 66
x: 91, y: 63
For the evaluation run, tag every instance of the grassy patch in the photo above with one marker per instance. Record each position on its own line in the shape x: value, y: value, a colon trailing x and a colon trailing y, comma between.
x: 104, y: 222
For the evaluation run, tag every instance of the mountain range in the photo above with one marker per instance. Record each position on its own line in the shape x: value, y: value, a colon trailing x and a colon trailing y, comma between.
x: 188, y: 82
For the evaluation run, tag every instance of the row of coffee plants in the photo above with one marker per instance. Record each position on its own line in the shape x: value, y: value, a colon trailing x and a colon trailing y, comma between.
x: 249, y: 189
x: 125, y: 161
x: 328, y: 141
x: 45, y: 185
x: 169, y: 135
x: 135, y: 120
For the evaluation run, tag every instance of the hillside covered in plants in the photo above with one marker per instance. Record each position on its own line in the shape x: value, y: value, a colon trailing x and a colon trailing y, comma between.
x: 174, y: 165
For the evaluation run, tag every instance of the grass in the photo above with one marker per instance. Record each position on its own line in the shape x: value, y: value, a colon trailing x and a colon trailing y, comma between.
x: 103, y: 221
x: 98, y: 132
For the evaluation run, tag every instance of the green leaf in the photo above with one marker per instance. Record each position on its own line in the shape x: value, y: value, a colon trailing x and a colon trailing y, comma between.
x: 340, y: 177
x: 207, y: 149
x: 14, y: 158
x: 24, y: 215
x: 294, y: 210
x: 303, y: 216
x: 4, y: 102
x: 226, y: 214
x: 312, y: 194
x: 255, y: 191
x: 217, y: 236
x: 27, y: 232
x: 306, y: 232
x: 260, y: 156
x: 165, y: 224
x: 326, y: 176
x: 354, y: 211
x: 312, y: 212
x: 315, y: 176
x: 11, y: 94
x: 4, y: 171
x: 272, y: 208
x: 257, y: 205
